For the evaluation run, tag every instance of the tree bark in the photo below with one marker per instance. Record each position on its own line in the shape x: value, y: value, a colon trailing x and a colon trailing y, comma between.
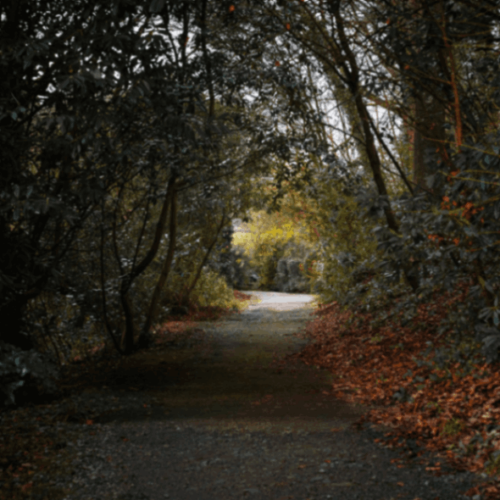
x: 352, y: 76
x: 128, y: 337
x: 153, y: 308
x: 429, y: 144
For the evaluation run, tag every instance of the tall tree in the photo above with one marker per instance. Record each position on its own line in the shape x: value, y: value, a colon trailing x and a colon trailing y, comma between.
x: 60, y: 60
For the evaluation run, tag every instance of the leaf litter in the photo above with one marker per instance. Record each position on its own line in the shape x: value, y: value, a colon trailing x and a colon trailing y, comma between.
x: 451, y: 410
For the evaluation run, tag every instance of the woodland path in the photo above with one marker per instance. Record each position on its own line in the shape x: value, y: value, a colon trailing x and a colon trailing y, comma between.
x: 216, y: 416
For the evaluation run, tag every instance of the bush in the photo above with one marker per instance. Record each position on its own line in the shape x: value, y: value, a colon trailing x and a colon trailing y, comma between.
x: 269, y: 238
x: 349, y: 251
x: 211, y: 290
x: 24, y: 374
x: 341, y: 249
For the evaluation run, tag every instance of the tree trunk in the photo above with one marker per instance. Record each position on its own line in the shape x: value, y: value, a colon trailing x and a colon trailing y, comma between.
x: 429, y: 145
x: 11, y: 321
x: 352, y: 76
x: 128, y: 337
x: 153, y: 308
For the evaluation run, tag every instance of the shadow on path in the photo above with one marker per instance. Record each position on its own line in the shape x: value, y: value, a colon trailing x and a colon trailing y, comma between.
x: 231, y: 372
x: 217, y: 415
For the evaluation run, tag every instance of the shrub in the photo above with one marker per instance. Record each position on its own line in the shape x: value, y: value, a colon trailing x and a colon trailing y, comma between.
x: 211, y: 290
x: 269, y: 237
x: 24, y: 374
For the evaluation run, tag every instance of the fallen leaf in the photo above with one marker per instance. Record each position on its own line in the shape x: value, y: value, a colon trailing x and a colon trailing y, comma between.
x: 27, y: 486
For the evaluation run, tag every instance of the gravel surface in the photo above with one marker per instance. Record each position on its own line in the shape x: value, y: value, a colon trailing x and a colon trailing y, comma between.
x: 158, y: 460
x: 217, y: 416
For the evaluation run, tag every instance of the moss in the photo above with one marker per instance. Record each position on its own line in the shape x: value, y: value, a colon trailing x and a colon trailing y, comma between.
x: 493, y: 468
x: 452, y: 427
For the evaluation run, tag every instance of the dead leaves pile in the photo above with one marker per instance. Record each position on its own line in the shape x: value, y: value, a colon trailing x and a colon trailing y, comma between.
x: 452, y: 411
x: 27, y: 450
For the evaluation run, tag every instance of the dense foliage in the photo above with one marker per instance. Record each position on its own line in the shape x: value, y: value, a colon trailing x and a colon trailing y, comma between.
x: 428, y: 164
x: 125, y: 150
x: 132, y: 133
x: 269, y: 238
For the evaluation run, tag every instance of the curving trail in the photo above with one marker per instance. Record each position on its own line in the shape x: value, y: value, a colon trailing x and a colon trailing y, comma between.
x: 216, y: 416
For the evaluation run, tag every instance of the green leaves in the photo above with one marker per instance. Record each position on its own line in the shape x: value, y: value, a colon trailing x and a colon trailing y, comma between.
x: 156, y: 6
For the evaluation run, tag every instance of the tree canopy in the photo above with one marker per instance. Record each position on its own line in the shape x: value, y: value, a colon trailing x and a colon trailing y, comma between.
x: 133, y: 132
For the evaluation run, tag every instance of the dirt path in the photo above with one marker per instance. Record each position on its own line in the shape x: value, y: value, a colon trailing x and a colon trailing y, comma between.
x: 216, y: 416
x: 234, y: 378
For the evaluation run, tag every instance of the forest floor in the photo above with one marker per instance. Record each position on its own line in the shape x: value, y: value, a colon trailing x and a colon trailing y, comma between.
x: 232, y: 409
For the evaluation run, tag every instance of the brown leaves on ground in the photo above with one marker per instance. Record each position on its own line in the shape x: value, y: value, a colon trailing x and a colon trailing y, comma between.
x: 451, y: 411
x: 26, y: 449
x: 241, y: 296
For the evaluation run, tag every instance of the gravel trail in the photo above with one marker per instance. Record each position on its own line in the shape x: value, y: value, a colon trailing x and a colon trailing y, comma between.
x: 217, y: 416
